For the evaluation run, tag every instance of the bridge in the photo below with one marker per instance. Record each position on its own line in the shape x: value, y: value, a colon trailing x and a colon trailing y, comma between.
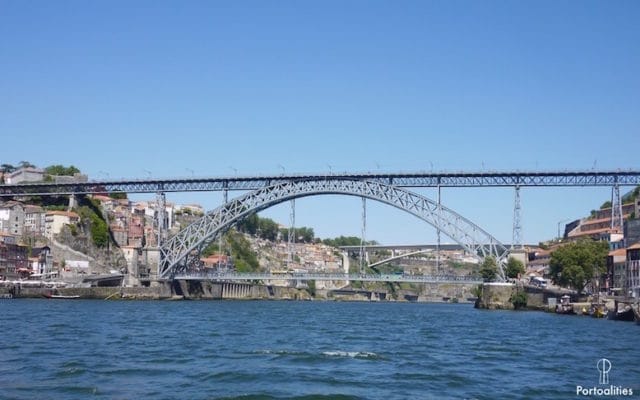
x: 180, y: 254
x: 244, y: 183
x: 231, y: 276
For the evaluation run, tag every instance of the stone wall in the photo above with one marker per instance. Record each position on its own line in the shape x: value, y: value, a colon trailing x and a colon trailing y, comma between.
x: 496, y: 296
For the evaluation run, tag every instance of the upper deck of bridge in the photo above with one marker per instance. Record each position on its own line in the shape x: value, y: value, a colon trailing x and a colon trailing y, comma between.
x: 401, y: 179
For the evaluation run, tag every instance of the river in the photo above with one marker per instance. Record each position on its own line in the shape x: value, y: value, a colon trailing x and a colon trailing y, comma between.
x: 78, y: 349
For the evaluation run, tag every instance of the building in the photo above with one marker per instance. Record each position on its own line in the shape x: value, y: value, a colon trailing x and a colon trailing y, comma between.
x: 24, y: 175
x: 632, y: 231
x: 75, y: 178
x: 616, y: 271
x: 12, y: 218
x: 34, y: 221
x: 55, y: 220
x: 633, y: 270
x: 215, y: 261
x: 538, y: 263
x: 598, y: 225
x: 41, y: 260
x: 13, y: 258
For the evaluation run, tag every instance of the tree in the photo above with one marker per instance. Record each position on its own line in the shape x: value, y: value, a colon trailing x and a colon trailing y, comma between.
x: 577, y: 263
x: 7, y: 168
x: 514, y: 268
x: 519, y: 300
x: 606, y: 204
x: 489, y: 269
x: 61, y: 170
x: 25, y: 164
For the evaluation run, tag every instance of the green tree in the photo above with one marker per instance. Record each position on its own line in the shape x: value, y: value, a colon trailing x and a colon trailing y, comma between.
x: 118, y: 195
x: 514, y: 268
x: 249, y: 225
x: 61, y: 170
x: 91, y: 216
x: 347, y: 241
x: 7, y: 168
x: 606, y: 204
x: 489, y: 269
x: 25, y: 164
x: 577, y: 263
x: 519, y: 300
x: 244, y: 258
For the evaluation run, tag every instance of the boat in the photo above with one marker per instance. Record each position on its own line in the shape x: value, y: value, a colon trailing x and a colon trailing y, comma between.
x: 597, y: 310
x: 627, y: 314
x: 60, y: 296
x: 565, y: 306
x: 636, y: 312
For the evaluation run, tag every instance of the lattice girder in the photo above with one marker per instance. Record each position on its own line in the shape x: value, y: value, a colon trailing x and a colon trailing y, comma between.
x: 196, y: 236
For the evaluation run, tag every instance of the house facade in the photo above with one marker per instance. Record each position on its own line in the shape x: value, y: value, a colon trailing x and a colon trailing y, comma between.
x: 12, y: 218
x: 633, y: 271
x: 55, y: 220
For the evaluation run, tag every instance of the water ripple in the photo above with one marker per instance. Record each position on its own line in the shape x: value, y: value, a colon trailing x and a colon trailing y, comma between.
x: 302, y: 350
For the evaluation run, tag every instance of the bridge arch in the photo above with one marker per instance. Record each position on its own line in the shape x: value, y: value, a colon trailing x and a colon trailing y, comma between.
x: 174, y: 253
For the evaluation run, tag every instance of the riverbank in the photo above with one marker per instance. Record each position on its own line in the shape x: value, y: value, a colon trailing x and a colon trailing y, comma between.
x: 207, y: 290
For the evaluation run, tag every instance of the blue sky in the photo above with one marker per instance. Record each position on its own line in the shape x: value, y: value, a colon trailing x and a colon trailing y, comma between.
x: 204, y: 88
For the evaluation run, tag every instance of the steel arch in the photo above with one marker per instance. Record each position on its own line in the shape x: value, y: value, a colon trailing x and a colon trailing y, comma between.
x: 175, y: 251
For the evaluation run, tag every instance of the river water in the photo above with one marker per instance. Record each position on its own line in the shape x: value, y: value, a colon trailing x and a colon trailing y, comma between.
x: 78, y: 349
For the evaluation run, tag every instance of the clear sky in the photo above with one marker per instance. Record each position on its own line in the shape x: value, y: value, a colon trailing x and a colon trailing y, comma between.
x: 204, y: 88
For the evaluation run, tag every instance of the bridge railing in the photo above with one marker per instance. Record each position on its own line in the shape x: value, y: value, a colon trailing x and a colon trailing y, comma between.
x: 233, y: 276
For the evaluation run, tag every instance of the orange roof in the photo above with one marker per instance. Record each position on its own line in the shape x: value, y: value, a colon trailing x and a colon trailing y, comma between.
x: 635, y: 246
x: 618, y: 252
x: 591, y: 232
x: 102, y: 198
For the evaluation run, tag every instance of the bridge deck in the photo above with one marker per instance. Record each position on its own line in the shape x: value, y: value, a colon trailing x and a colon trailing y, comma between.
x: 417, y: 179
x: 215, y: 276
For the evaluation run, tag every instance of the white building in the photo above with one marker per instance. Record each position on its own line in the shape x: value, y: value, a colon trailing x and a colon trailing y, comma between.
x: 12, y: 218
x: 24, y: 175
x: 55, y: 220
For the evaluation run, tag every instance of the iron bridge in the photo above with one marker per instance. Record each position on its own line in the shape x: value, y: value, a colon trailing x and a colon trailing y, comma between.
x: 418, y: 179
x: 232, y: 276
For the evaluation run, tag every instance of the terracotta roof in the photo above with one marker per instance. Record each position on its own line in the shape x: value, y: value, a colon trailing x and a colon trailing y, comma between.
x: 618, y: 252
x: 102, y: 197
x: 634, y: 246
x: 591, y: 232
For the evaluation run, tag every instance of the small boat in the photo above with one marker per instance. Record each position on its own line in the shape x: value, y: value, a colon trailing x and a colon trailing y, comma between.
x: 60, y: 296
x: 627, y: 314
x: 598, y: 310
x: 565, y: 306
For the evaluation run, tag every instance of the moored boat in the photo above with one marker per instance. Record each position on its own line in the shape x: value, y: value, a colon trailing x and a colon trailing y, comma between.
x: 626, y: 314
x: 598, y: 310
x: 60, y: 296
x: 565, y: 306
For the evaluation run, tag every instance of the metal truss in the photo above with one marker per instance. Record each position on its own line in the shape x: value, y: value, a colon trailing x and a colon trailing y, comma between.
x: 419, y: 179
x: 231, y: 276
x: 181, y: 253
